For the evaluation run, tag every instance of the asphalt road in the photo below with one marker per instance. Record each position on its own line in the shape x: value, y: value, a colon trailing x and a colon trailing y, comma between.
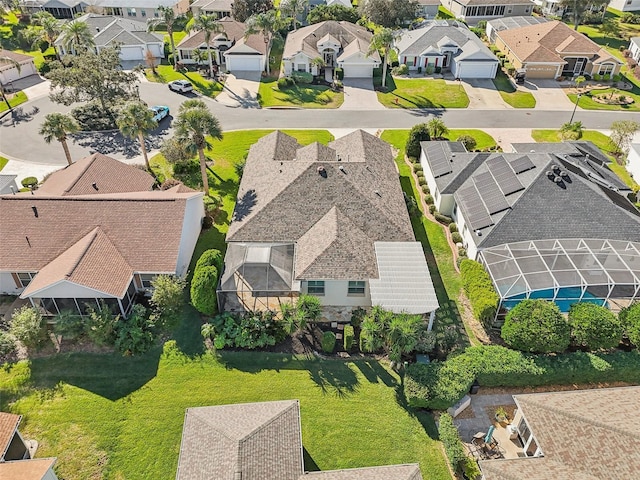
x: 19, y: 138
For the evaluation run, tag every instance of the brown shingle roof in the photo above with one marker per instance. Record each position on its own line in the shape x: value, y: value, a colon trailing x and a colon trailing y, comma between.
x: 233, y: 30
x: 589, y: 434
x: 34, y: 469
x: 261, y: 441
x: 16, y: 57
x: 388, y: 472
x: 8, y: 426
x: 306, y: 39
x: 109, y: 175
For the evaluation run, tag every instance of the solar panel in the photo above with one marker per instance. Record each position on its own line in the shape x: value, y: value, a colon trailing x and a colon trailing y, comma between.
x: 439, y: 161
x: 522, y: 164
x: 490, y: 193
x: 502, y: 172
x: 477, y: 213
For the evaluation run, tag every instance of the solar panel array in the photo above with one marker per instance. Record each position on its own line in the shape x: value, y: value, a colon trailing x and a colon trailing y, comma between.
x: 522, y: 164
x: 490, y: 193
x: 439, y: 160
x: 504, y: 175
x: 476, y: 212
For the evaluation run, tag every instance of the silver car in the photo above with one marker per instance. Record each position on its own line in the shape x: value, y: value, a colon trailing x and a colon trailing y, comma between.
x: 181, y: 86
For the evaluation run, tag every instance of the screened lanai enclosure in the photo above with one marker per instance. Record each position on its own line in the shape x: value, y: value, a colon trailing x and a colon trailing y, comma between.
x: 565, y: 271
x: 257, y: 277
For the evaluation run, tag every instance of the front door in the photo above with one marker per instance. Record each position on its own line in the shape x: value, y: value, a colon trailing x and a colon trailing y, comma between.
x: 329, y: 58
x: 578, y: 68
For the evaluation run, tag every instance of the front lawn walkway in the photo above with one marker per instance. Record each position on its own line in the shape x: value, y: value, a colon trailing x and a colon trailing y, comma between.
x: 299, y: 96
x: 421, y: 93
x: 166, y: 74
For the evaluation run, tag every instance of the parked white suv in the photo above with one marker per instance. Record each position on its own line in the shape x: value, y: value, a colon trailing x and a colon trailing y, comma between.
x: 181, y: 86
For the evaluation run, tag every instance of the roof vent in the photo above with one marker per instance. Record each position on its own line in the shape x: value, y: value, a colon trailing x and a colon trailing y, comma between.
x: 95, y: 186
x: 377, y: 192
x: 564, y: 174
x: 338, y: 157
x: 13, y: 190
x: 97, y: 29
x: 341, y: 168
x: 558, y: 180
x: 555, y: 168
x: 478, y: 233
x: 549, y: 174
x: 322, y: 172
x: 35, y: 210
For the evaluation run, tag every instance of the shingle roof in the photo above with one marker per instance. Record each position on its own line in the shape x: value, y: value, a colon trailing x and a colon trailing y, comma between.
x: 260, y: 441
x: 8, y: 426
x: 589, y: 434
x: 233, y: 31
x: 17, y: 57
x: 108, y: 30
x: 389, y: 472
x: 34, y: 469
x: 109, y: 175
x: 213, y: 5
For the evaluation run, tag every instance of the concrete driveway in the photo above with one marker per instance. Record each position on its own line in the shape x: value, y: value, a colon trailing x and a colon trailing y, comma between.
x: 240, y: 90
x: 548, y: 94
x: 360, y: 95
x: 483, y: 95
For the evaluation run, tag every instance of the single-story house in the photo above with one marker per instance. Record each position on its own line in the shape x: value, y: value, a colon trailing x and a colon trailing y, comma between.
x: 516, y: 211
x: 338, y: 44
x: 554, y: 49
x: 229, y: 48
x: 218, y: 8
x: 63, y: 9
x: 326, y: 220
x: 446, y: 45
x: 634, y: 48
x: 427, y: 9
x: 259, y: 441
x: 625, y: 5
x: 472, y: 11
x: 556, y: 435
x: 95, y: 232
x: 499, y: 24
x: 551, y: 7
x: 10, y: 72
x: 130, y: 35
x: 138, y: 9
x: 8, y: 184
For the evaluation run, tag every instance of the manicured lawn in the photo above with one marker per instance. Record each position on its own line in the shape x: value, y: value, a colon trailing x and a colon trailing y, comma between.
x: 14, y: 101
x: 510, y: 94
x: 10, y: 32
x: 3, y: 162
x: 166, y: 73
x: 624, y: 175
x: 588, y: 103
x: 421, y: 93
x: 303, y: 96
x: 483, y: 140
x: 110, y: 417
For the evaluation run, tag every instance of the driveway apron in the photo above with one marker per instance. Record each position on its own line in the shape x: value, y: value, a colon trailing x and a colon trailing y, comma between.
x: 548, y: 94
x: 360, y: 95
x: 483, y: 95
x: 240, y: 90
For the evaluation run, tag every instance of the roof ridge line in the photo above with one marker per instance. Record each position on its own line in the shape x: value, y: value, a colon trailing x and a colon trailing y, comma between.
x: 84, y: 252
x: 270, y: 421
x: 83, y: 171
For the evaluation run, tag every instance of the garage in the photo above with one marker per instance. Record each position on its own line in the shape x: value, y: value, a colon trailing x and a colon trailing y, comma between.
x: 252, y: 63
x: 10, y: 73
x: 541, y: 70
x: 467, y: 69
x: 131, y: 53
x: 358, y: 71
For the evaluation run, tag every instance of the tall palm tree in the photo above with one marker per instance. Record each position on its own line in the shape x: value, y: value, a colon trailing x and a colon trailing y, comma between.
x: 267, y: 24
x: 383, y: 40
x: 51, y: 29
x: 193, y: 125
x: 6, y: 59
x: 135, y: 120
x: 200, y: 56
x: 168, y: 18
x: 57, y: 126
x: 209, y: 25
x: 293, y: 8
x: 76, y: 36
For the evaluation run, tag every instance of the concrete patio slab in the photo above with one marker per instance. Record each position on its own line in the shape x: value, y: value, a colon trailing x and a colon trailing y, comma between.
x: 240, y: 90
x: 360, y: 95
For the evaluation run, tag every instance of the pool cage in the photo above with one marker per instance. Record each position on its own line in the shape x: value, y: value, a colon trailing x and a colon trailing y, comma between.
x: 565, y: 271
x: 257, y: 277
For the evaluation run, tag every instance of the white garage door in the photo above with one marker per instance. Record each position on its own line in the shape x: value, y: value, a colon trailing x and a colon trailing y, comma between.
x: 475, y: 70
x: 248, y: 63
x: 358, y: 71
x: 131, y: 53
x: 11, y: 73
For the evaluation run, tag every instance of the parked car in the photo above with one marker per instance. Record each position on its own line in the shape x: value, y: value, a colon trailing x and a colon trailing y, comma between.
x: 159, y: 112
x: 180, y: 86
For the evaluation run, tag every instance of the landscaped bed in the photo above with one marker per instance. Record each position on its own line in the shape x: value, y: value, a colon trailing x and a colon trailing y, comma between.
x: 298, y: 96
x: 421, y: 93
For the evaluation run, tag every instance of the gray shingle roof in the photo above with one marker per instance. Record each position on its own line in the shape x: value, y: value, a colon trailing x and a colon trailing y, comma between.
x: 5, y: 181
x: 461, y: 163
x: 390, y: 472
x: 108, y: 29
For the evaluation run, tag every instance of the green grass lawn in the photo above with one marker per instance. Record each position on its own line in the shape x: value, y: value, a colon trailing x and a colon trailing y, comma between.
x: 3, y: 162
x: 510, y: 94
x: 303, y: 96
x: 166, y: 73
x: 421, y: 93
x: 483, y: 140
x: 14, y: 101
x: 10, y: 39
x: 588, y: 103
x: 109, y: 417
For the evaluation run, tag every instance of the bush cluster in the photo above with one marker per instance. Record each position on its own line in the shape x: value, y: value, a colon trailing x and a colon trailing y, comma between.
x: 7, y: 344
x: 91, y: 117
x: 349, y: 337
x: 456, y: 237
x: 630, y: 319
x: 450, y: 438
x: 339, y: 72
x: 401, y: 69
x: 29, y: 182
x: 205, y: 281
x: 249, y: 330
x: 468, y: 141
x: 479, y: 289
x: 28, y: 327
x: 302, y: 78
x: 285, y: 82
x: 594, y: 327
x: 418, y: 133
x: 328, y: 342
x: 536, y: 326
x: 443, y: 219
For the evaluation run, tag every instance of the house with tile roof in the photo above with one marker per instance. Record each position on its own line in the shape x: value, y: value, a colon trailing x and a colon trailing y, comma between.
x: 327, y: 220
x: 447, y: 46
x: 549, y: 220
x: 10, y: 72
x: 473, y: 11
x: 553, y: 49
x: 573, y: 435
x: 259, y: 441
x: 130, y: 36
x: 95, y: 233
x: 339, y: 44
x: 230, y: 48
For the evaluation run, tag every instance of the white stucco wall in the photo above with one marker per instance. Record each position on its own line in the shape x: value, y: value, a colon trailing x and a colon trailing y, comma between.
x: 7, y: 284
x: 65, y: 289
x: 633, y: 161
x: 444, y: 203
x: 468, y: 239
x: 291, y: 65
x: 335, y: 294
x: 191, y: 226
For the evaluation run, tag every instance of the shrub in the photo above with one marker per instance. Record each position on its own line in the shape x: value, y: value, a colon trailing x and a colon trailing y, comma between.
x: 328, y: 342
x: 168, y: 299
x: 432, y: 209
x: 438, y: 385
x: 27, y: 326
x: 422, y: 181
x: 186, y: 167
x: 91, y: 117
x: 443, y: 218
x: 412, y: 206
x: 285, y: 82
x: 69, y: 324
x: 44, y: 68
x: 453, y: 227
x: 536, y: 326
x: 425, y: 189
x: 420, y: 176
x: 417, y: 168
x: 339, y: 72
x: 630, y: 319
x: 456, y: 237
x: 134, y: 335
x: 211, y: 258
x: 349, y: 337
x: 479, y: 289
x: 468, y: 141
x: 428, y: 200
x: 377, y: 72
x: 401, y: 69
x: 426, y: 341
x: 7, y: 344
x: 29, y: 182
x: 418, y: 133
x: 594, y: 327
x: 597, y: 77
x: 100, y: 325
x: 203, y: 289
x: 357, y: 314
x: 450, y: 438
x: 304, y: 78
x: 249, y: 330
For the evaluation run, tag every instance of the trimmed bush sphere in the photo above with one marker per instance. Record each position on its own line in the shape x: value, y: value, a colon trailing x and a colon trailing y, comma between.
x: 203, y: 290
x: 594, y: 327
x: 630, y: 318
x: 328, y: 342
x: 536, y: 326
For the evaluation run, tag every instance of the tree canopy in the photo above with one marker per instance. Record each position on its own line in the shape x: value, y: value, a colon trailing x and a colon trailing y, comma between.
x: 243, y: 9
x: 536, y: 326
x: 336, y: 12
x: 389, y: 13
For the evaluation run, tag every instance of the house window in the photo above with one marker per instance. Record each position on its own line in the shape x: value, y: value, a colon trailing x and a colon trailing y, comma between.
x: 606, y: 69
x: 185, y: 54
x: 302, y: 67
x: 25, y: 278
x: 146, y: 279
x: 143, y: 13
x: 315, y: 287
x: 356, y: 287
x: 156, y: 14
x: 131, y: 12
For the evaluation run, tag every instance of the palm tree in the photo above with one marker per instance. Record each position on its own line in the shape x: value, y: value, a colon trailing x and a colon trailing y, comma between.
x: 209, y: 25
x: 437, y: 128
x: 76, y: 35
x: 383, y: 40
x: 319, y: 63
x: 267, y: 24
x: 9, y: 60
x: 51, y: 29
x: 402, y: 336
x: 293, y: 8
x: 200, y: 56
x: 136, y: 120
x: 57, y: 126
x: 168, y: 18
x: 193, y: 125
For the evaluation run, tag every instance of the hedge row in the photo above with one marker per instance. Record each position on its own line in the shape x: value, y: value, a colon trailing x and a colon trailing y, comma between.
x: 479, y: 288
x: 438, y: 385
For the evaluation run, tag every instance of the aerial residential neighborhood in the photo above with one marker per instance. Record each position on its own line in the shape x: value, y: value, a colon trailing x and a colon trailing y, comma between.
x: 319, y: 239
